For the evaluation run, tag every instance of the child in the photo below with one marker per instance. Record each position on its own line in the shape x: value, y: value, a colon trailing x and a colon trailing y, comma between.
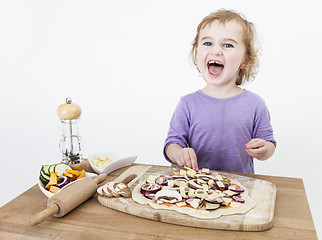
x: 222, y: 127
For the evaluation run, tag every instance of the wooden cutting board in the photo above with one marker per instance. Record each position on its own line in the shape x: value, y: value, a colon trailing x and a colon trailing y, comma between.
x: 259, y: 218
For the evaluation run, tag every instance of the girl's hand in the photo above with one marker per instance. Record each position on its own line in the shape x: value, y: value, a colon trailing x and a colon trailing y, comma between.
x: 182, y: 156
x: 260, y: 149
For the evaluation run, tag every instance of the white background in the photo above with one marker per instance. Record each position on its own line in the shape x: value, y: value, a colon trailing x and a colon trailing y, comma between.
x: 126, y: 63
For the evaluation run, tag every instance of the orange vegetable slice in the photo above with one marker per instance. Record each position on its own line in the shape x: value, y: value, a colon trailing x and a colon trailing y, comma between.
x: 71, y: 176
x: 52, y: 179
x: 54, y: 189
x: 82, y: 174
x: 75, y: 172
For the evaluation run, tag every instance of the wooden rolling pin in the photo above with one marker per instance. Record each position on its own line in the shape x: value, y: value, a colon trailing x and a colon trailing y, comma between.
x: 71, y: 197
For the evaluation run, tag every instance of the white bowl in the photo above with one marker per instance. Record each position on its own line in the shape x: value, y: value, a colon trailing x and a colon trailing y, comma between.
x: 49, y: 194
x: 119, y: 160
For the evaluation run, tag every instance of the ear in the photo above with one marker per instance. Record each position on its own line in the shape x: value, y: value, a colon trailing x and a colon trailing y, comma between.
x: 244, y: 63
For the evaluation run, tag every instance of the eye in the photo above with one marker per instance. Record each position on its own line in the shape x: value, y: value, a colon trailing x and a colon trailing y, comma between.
x: 228, y: 45
x: 208, y: 44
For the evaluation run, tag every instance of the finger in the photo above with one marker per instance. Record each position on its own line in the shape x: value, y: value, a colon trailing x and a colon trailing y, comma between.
x: 255, y: 143
x: 256, y: 153
x: 193, y: 159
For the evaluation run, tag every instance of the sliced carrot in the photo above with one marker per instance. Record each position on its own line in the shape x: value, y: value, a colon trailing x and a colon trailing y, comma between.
x: 54, y: 189
x: 75, y: 172
x: 71, y: 176
x: 81, y: 175
x: 52, y: 179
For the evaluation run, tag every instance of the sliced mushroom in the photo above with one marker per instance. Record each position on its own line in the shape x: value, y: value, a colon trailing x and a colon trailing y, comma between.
x: 169, y: 196
x: 195, y: 184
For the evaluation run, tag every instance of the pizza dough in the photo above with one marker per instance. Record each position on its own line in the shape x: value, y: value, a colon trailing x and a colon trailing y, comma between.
x: 198, y: 213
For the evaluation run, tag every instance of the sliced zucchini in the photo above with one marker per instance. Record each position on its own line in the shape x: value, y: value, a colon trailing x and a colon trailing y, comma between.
x: 52, y: 168
x: 60, y: 168
x: 44, y: 176
x: 45, y: 169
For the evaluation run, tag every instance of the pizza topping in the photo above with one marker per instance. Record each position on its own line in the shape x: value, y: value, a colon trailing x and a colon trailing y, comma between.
x: 214, y: 201
x: 200, y: 193
x: 238, y: 199
x: 169, y: 196
x: 195, y: 183
x: 206, y: 177
x: 230, y: 193
x: 181, y: 182
x: 200, y: 190
x: 212, y: 206
x: 236, y: 189
x: 162, y: 181
x: 151, y: 179
x: 150, y: 195
x: 194, y: 202
x: 150, y: 188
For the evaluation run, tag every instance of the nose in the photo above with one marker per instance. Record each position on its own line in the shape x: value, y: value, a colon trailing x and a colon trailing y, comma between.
x: 217, y: 51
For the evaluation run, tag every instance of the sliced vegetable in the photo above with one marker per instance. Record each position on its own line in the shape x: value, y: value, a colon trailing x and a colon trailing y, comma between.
x: 236, y: 188
x: 44, y: 176
x: 45, y: 170
x: 60, y: 168
x: 150, y: 195
x: 238, y: 199
x: 170, y: 196
x: 181, y: 182
x: 81, y: 175
x: 54, y: 189
x: 162, y: 181
x: 71, y: 176
x: 62, y: 181
x: 211, y: 206
x: 194, y: 202
x: 75, y: 172
x: 51, y: 168
x: 149, y: 188
x: 194, y: 184
x: 53, y: 178
x: 200, y: 193
x: 214, y: 201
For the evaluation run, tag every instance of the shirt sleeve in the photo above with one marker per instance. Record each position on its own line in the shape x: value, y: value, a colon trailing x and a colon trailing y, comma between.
x: 262, y: 127
x: 179, y: 128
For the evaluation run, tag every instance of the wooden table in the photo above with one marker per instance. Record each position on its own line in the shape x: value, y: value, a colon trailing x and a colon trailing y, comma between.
x: 93, y: 221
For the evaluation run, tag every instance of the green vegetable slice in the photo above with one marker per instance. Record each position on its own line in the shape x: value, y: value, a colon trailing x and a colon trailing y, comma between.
x: 60, y: 168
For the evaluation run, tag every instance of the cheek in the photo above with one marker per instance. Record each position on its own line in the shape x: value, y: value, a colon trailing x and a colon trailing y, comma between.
x: 200, y: 59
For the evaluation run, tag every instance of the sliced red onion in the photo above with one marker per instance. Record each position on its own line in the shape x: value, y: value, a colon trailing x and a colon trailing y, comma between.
x: 150, y: 195
x: 149, y: 188
x: 214, y: 201
x: 238, y: 199
x: 181, y: 182
x: 189, y: 200
x: 214, y: 187
x: 162, y: 181
x: 212, y: 206
x: 237, y: 189
x: 62, y: 181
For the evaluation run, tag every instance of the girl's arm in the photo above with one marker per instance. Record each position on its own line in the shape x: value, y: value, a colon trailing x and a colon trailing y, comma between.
x: 260, y: 149
x: 182, y: 156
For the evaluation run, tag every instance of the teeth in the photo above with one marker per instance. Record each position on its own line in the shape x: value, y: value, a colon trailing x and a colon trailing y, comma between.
x: 215, y: 62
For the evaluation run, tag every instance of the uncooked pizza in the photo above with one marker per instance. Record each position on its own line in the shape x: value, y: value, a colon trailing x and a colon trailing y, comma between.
x: 203, y: 194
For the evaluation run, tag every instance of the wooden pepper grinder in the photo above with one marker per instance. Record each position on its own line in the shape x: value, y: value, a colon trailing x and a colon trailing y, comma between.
x: 70, y: 142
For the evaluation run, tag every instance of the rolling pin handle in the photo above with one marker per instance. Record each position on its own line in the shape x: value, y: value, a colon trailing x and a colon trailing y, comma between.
x: 100, y: 178
x: 41, y: 216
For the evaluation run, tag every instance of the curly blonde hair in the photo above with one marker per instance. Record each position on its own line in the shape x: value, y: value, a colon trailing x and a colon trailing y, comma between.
x: 252, y: 52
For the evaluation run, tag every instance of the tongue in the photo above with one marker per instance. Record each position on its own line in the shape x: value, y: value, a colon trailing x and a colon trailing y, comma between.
x: 215, y: 70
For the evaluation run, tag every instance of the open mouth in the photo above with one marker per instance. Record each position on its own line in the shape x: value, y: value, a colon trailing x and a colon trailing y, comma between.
x: 215, y: 67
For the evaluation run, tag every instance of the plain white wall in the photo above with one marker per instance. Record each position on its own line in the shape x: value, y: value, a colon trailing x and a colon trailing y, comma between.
x: 126, y: 63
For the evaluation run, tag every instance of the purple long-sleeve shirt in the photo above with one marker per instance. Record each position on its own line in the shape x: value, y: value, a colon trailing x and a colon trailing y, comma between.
x: 218, y: 129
